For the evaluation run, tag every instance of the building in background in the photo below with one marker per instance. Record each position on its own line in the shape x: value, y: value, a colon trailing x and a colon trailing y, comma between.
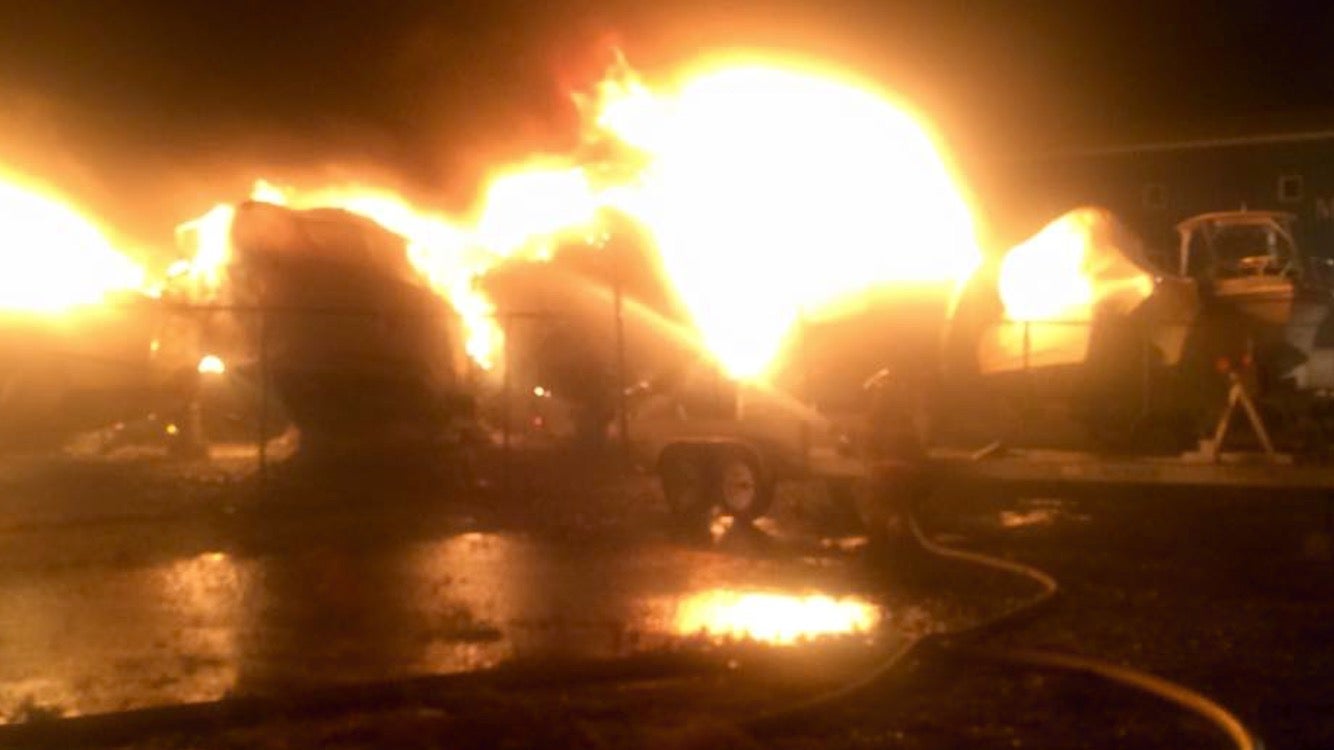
x: 1154, y: 185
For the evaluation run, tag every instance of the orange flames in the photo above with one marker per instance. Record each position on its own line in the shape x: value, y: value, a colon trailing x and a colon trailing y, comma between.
x: 770, y: 192
x: 211, y: 235
x: 773, y: 191
x: 52, y: 258
x: 1053, y: 284
x: 1043, y: 278
x: 1079, y: 261
x: 524, y: 214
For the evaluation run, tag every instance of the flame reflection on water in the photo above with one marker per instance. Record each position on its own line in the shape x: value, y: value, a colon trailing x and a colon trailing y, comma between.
x: 773, y: 618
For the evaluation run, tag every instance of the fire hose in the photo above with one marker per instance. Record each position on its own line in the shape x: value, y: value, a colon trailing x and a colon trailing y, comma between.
x: 962, y: 644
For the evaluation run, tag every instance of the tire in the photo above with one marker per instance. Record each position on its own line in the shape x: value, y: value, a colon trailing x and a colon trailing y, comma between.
x: 741, y: 488
x: 685, y: 483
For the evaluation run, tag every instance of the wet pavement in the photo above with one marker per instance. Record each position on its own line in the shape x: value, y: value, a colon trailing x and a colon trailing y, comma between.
x: 139, y: 585
x: 237, y: 599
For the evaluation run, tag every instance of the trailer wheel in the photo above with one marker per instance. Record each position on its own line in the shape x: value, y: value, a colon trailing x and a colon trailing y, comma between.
x: 685, y: 483
x: 743, y: 491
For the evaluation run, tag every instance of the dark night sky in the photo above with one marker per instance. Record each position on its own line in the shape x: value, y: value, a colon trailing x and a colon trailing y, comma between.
x: 147, y: 111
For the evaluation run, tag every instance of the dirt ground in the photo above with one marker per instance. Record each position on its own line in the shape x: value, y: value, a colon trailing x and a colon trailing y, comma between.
x: 1231, y: 595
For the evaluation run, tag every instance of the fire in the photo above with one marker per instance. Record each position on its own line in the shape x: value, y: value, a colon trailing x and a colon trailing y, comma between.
x: 211, y: 364
x: 531, y: 210
x: 1053, y: 284
x: 211, y: 235
x: 1077, y: 262
x: 1043, y: 278
x: 54, y: 258
x: 524, y: 213
x: 779, y: 619
x: 772, y: 192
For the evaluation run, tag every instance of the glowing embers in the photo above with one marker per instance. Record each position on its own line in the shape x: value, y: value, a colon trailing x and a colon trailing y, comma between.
x: 773, y: 618
x: 52, y: 258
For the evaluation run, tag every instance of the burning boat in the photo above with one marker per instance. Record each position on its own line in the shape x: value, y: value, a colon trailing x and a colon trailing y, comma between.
x: 1149, y: 356
x: 75, y: 325
x: 1249, y: 263
x: 359, y: 349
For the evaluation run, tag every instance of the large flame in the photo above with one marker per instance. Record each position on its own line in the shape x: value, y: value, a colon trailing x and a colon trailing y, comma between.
x: 1053, y: 284
x: 211, y: 237
x: 1079, y: 261
x: 772, y: 192
x: 1043, y: 278
x: 524, y: 213
x: 52, y: 257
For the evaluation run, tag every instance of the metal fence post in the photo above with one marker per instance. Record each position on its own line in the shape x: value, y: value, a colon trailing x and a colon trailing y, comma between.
x: 1027, y: 417
x: 1027, y: 344
x: 807, y: 385
x: 507, y: 400
x: 263, y: 436
x: 506, y: 324
x: 623, y: 424
x: 1146, y: 375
